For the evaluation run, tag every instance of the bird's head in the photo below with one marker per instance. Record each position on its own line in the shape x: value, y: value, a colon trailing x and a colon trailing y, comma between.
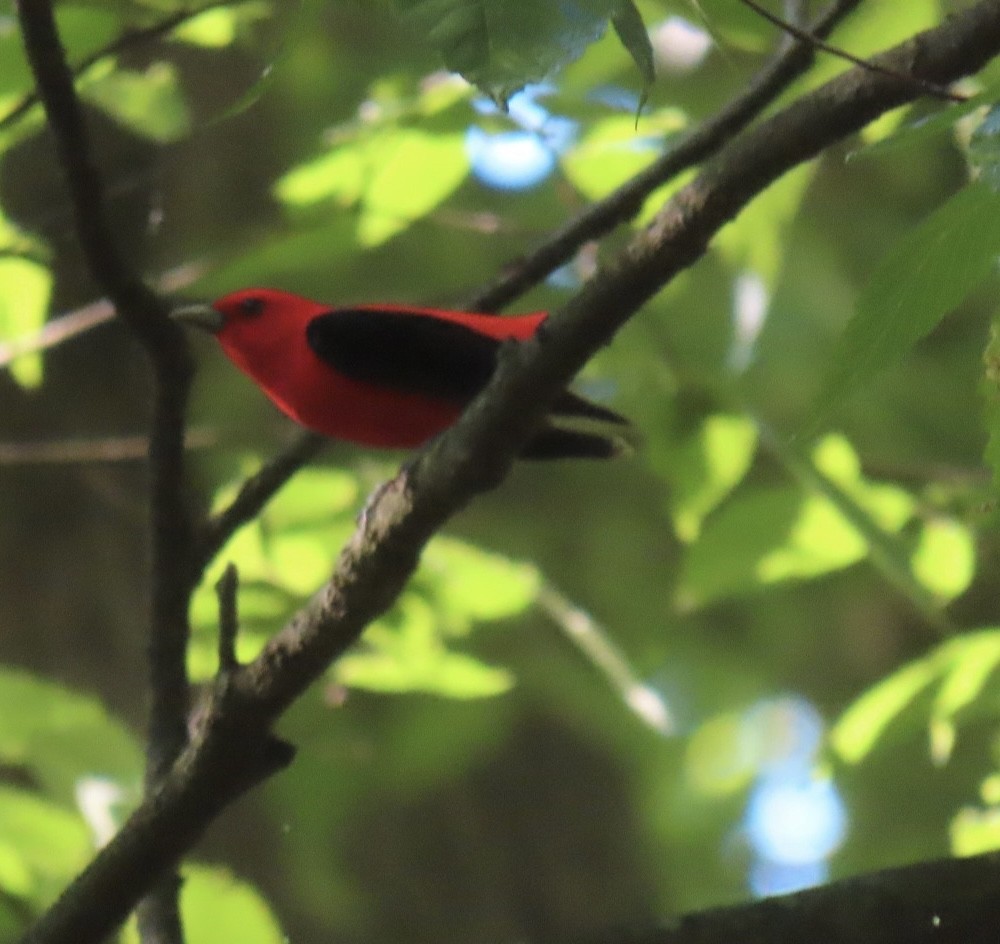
x: 252, y: 322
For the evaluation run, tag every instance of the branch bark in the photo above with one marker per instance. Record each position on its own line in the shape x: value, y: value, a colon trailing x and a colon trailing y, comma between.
x: 950, y: 901
x: 697, y: 145
x: 600, y: 218
x: 234, y: 749
x: 142, y: 310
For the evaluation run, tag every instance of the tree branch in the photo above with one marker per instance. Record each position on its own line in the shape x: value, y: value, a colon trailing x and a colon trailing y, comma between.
x: 699, y: 144
x: 146, y: 315
x: 949, y: 901
x: 254, y: 494
x: 601, y: 217
x: 234, y: 749
x: 128, y: 40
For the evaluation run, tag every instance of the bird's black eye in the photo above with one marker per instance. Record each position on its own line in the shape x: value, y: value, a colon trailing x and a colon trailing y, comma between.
x: 251, y: 306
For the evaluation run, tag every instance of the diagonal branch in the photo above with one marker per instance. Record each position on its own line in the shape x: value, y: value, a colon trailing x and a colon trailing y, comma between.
x: 603, y: 216
x: 702, y: 142
x: 127, y: 40
x: 234, y: 748
x: 253, y: 495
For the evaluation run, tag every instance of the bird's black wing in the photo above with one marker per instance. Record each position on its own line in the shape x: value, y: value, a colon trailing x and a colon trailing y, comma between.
x: 409, y: 352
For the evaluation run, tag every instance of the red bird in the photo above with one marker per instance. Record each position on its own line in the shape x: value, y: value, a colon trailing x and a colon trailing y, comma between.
x: 387, y: 375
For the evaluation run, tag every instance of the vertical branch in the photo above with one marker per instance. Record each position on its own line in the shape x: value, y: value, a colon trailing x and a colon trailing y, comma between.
x: 171, y: 531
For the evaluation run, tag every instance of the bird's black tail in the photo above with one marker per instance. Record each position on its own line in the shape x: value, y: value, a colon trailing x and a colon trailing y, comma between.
x: 556, y: 443
x: 579, y: 429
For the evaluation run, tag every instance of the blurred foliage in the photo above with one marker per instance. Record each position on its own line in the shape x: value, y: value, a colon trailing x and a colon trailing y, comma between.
x: 796, y: 575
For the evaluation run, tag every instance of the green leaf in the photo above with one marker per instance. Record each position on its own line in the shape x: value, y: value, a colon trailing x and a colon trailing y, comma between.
x: 397, y: 175
x: 704, y: 467
x: 864, y: 723
x: 963, y: 668
x: 219, y: 27
x: 611, y: 150
x: 448, y: 674
x: 635, y: 38
x: 406, y: 654
x: 149, y: 103
x: 415, y: 173
x: 337, y: 175
x: 769, y: 535
x: 501, y: 47
x: 944, y: 560
x: 216, y: 907
x: 757, y: 239
x: 872, y: 28
x: 42, y: 845
x: 923, y: 277
x: 62, y: 736
x: 469, y: 585
x: 974, y: 831
x: 287, y: 554
x: 213, y: 29
x: 25, y: 287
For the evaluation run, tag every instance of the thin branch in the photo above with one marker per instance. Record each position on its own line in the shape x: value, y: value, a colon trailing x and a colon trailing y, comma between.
x: 600, y: 650
x: 63, y: 327
x: 226, y: 590
x: 805, y: 36
x: 128, y: 40
x: 234, y: 749
x: 601, y: 217
x: 254, y: 494
x: 167, y: 348
x: 696, y: 146
x: 106, y: 449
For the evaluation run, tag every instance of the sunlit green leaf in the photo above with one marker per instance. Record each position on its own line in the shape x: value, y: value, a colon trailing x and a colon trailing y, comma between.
x: 945, y: 558
x: 756, y: 240
x: 314, y: 497
x: 61, y: 735
x: 962, y: 667
x: 766, y: 535
x: 471, y: 584
x: 705, y: 468
x: 25, y: 287
x: 150, y: 103
x: 968, y: 662
x: 416, y: 171
x: 220, y: 26
x: 287, y: 553
x: 612, y: 150
x: 441, y: 672
x: 337, y: 175
x: 872, y: 28
x: 397, y: 175
x: 974, y: 831
x: 42, y: 845
x: 406, y: 653
x: 216, y: 907
x: 866, y: 720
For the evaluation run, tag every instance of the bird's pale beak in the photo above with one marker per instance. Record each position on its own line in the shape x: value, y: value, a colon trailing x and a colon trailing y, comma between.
x: 200, y: 315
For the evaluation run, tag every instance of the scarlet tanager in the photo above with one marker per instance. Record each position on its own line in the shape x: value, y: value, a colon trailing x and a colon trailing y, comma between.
x: 392, y: 376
